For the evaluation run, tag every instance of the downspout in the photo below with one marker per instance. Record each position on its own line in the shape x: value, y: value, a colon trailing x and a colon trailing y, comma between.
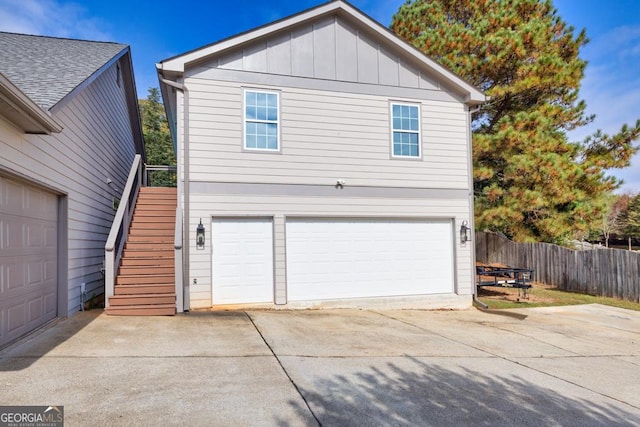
x: 472, y: 220
x: 186, y: 272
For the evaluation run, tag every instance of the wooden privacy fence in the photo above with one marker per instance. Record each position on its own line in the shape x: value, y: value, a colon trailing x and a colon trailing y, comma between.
x: 605, y: 272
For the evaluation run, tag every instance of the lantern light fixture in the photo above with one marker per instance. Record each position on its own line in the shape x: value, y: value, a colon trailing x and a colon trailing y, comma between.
x: 465, y: 232
x: 200, y: 236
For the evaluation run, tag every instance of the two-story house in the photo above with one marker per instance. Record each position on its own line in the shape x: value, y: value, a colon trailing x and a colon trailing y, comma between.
x: 323, y: 162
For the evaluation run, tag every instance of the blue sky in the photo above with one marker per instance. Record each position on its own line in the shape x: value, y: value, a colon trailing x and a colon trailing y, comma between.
x: 158, y: 29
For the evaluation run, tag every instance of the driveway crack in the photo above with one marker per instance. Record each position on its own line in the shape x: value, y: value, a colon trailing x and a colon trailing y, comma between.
x: 509, y: 359
x: 315, y: 417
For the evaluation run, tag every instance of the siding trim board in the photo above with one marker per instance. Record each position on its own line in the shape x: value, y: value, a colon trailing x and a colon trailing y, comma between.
x: 276, y: 81
x: 329, y: 190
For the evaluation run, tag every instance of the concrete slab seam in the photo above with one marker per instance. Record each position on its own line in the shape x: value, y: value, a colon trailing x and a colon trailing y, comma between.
x: 510, y: 360
x: 315, y: 417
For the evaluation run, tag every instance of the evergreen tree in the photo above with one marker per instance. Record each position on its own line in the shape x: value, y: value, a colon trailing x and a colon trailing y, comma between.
x: 530, y: 182
x: 157, y: 137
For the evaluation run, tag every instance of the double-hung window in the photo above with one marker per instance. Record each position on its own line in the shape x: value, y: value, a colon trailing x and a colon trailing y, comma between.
x: 405, y: 130
x: 261, y: 120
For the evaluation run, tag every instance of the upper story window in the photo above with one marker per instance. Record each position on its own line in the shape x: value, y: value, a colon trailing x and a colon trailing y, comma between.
x: 405, y: 130
x: 261, y: 120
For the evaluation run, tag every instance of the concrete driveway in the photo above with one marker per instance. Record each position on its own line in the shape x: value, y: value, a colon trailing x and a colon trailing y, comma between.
x: 550, y: 366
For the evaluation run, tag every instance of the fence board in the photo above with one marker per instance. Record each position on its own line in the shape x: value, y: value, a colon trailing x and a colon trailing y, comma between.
x: 605, y: 272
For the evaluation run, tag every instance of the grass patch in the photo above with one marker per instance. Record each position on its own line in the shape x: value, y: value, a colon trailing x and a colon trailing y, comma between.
x: 545, y: 296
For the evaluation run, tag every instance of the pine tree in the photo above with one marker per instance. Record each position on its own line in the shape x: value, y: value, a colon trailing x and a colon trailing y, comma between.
x: 530, y: 181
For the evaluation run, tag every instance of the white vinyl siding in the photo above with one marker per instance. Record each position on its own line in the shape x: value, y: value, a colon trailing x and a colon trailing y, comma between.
x: 261, y: 120
x: 324, y: 136
x: 405, y: 130
x: 96, y: 143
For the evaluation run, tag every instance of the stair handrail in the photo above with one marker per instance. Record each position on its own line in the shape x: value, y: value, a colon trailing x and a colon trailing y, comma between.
x: 118, y: 234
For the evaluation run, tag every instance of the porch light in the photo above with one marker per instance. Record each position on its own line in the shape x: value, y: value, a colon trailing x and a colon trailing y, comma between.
x: 200, y: 236
x: 465, y: 233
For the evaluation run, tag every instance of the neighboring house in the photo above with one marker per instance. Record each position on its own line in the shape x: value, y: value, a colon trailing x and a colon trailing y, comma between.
x: 69, y: 131
x: 329, y: 163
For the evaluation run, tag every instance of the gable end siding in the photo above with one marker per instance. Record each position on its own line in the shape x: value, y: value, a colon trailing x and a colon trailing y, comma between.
x: 329, y: 49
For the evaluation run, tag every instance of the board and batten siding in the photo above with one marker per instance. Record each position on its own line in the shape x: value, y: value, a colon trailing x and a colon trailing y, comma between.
x: 324, y: 136
x: 330, y: 48
x: 205, y: 204
x: 96, y: 143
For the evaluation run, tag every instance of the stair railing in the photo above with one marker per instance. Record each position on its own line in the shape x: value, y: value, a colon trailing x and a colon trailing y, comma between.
x: 119, y: 230
x: 160, y: 176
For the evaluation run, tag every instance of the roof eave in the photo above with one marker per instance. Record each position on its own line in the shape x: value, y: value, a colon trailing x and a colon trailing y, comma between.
x: 20, y: 110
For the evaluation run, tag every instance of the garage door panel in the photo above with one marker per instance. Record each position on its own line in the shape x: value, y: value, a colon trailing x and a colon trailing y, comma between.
x: 35, y: 235
x: 14, y: 233
x: 28, y: 259
x: 11, y: 200
x: 333, y: 259
x: 242, y: 261
x: 35, y: 273
x: 17, y: 317
x: 14, y: 277
x: 36, y: 309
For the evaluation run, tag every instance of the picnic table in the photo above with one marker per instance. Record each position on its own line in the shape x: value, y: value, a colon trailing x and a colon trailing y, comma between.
x: 505, y: 277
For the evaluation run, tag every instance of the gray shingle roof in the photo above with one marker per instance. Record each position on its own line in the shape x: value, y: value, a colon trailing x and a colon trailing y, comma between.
x: 47, y: 69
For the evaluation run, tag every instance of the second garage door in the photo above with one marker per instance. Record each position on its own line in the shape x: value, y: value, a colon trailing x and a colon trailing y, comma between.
x: 336, y: 258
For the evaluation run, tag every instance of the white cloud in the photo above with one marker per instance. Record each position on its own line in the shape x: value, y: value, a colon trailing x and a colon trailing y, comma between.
x: 611, y: 88
x: 51, y: 18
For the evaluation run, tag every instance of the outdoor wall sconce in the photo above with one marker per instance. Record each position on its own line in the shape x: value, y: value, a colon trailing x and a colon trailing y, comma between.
x: 200, y: 236
x: 465, y: 233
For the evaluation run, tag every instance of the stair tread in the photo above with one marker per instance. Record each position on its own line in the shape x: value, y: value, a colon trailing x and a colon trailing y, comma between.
x: 138, y: 306
x: 125, y: 297
x: 148, y: 276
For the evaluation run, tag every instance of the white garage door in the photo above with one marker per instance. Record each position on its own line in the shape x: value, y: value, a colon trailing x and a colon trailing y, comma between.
x: 242, y: 260
x: 28, y: 258
x: 334, y: 259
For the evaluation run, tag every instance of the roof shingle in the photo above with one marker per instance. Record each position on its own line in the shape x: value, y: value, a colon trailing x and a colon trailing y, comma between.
x: 47, y: 69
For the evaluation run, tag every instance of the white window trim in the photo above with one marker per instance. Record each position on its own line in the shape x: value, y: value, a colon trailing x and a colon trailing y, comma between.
x: 244, y: 121
x: 419, y: 132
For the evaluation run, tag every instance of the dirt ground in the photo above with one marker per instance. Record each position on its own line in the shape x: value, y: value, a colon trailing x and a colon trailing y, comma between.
x: 512, y: 294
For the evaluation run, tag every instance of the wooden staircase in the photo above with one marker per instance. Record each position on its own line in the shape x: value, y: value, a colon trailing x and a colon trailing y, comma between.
x: 145, y: 284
